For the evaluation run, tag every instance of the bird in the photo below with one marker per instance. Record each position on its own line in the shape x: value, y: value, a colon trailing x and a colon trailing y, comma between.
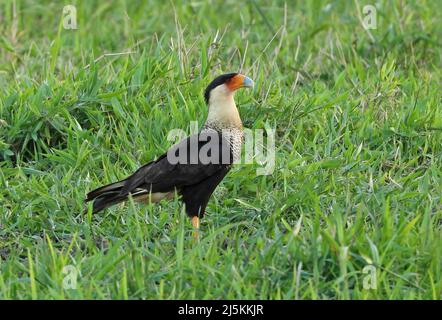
x: 195, y: 166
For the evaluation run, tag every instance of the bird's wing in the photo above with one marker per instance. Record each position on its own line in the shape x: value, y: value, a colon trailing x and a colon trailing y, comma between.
x: 192, y: 160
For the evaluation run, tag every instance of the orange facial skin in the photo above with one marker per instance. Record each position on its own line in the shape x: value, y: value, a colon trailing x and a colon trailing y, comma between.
x: 236, y: 82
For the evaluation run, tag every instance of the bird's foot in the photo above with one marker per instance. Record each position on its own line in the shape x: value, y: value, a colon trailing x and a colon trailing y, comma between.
x: 196, y: 227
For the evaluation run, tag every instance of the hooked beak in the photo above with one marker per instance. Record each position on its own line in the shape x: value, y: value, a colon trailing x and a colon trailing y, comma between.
x: 247, y: 83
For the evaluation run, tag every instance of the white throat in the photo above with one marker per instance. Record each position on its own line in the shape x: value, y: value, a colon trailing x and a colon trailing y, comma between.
x: 222, y: 109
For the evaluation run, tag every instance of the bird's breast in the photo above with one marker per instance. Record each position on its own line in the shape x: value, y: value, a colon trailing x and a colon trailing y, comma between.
x: 232, y: 134
x: 235, y: 137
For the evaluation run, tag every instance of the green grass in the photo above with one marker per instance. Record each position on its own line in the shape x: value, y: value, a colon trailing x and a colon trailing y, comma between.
x: 358, y: 176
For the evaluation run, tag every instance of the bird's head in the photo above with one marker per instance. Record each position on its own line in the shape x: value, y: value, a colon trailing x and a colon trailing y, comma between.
x: 219, y: 98
x: 223, y: 86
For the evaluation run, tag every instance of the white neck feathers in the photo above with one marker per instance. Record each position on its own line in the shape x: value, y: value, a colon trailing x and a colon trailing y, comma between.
x: 222, y: 109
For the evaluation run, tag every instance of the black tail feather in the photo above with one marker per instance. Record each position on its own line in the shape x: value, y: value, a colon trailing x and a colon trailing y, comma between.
x: 106, y: 196
x: 107, y: 200
x: 116, y: 186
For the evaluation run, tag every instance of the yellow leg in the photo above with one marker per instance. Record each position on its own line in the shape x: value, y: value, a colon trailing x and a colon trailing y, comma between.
x: 196, y: 226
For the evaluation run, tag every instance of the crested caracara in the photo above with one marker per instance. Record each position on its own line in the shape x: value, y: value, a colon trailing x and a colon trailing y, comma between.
x: 195, y: 166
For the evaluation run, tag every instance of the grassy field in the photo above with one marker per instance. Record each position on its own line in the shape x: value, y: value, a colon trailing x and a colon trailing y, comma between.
x: 355, y: 197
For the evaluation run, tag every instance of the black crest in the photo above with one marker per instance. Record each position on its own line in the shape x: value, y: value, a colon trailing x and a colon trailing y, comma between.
x: 215, y: 83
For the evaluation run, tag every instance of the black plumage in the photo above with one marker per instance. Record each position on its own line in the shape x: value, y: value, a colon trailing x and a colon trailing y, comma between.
x: 195, y: 182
